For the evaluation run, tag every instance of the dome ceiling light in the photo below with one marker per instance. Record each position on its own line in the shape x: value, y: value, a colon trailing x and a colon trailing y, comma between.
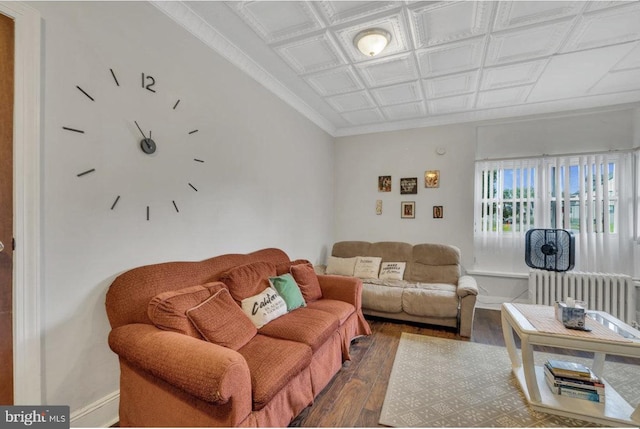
x: 373, y: 41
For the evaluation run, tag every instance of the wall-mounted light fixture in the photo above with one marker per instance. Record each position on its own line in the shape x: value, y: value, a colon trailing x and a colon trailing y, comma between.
x: 373, y: 41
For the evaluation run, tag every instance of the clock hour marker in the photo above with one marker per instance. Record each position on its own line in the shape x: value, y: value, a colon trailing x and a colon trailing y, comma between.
x: 147, y: 212
x: 113, y: 206
x: 85, y: 93
x: 194, y: 131
x: 114, y: 77
x: 176, y: 105
x: 197, y: 160
x: 193, y: 187
x: 73, y: 129
x: 176, y: 207
x: 86, y: 172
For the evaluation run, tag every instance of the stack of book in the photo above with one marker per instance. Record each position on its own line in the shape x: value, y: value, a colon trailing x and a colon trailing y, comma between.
x: 573, y: 380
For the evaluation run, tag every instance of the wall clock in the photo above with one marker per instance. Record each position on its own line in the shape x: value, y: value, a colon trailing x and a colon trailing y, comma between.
x: 131, y: 134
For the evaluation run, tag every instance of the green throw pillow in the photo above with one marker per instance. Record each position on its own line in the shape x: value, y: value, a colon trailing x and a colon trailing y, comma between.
x: 289, y: 291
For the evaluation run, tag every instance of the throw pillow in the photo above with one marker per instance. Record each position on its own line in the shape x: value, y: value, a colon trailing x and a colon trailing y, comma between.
x: 248, y: 280
x: 264, y: 307
x: 392, y: 270
x: 219, y: 320
x: 168, y: 310
x: 288, y: 290
x: 285, y: 267
x: 307, y: 280
x: 367, y: 267
x: 341, y: 266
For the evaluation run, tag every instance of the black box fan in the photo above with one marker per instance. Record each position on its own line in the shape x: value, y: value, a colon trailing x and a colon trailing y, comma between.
x: 550, y: 249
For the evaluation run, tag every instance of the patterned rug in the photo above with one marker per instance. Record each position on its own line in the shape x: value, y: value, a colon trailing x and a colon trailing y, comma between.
x: 437, y: 382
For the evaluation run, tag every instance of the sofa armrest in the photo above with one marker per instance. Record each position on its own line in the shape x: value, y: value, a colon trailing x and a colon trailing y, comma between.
x: 210, y: 372
x: 467, y: 286
x: 342, y: 288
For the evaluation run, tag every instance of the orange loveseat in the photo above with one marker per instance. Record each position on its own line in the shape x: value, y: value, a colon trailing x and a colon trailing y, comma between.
x: 172, y: 376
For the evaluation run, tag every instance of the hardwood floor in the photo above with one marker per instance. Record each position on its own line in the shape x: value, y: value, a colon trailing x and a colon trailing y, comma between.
x: 355, y: 395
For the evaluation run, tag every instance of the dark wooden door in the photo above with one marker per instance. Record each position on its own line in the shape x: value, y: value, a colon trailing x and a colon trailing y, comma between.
x: 6, y: 208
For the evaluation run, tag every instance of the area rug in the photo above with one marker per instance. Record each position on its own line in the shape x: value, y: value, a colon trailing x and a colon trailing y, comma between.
x: 437, y: 382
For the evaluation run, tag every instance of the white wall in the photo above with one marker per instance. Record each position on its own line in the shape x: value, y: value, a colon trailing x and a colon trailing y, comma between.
x: 267, y: 180
x: 361, y: 159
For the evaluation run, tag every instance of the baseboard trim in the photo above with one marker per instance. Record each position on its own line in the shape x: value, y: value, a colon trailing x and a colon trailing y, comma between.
x: 100, y: 414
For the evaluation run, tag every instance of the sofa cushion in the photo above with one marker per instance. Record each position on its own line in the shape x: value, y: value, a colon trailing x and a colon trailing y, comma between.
x: 382, y: 298
x: 431, y: 300
x: 168, y: 310
x: 341, y: 266
x: 342, y: 310
x: 303, y: 325
x: 307, y: 280
x: 264, y: 307
x: 272, y: 364
x: 219, y: 320
x: 392, y: 270
x: 248, y: 280
x: 367, y: 267
x: 435, y: 263
x: 288, y: 289
x: 285, y: 267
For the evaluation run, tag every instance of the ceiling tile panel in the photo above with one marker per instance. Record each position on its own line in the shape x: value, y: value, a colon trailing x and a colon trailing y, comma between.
x: 447, y: 86
x: 450, y: 104
x: 447, y: 22
x: 631, y: 61
x: 394, y: 24
x: 526, y: 44
x: 337, y: 12
x: 275, y: 21
x: 334, y: 81
x: 354, y: 101
x: 512, y: 75
x: 404, y: 111
x: 617, y: 82
x: 606, y: 27
x: 311, y: 54
x: 503, y: 97
x: 363, y: 117
x: 519, y: 13
x: 396, y: 94
x: 387, y: 71
x: 451, y: 58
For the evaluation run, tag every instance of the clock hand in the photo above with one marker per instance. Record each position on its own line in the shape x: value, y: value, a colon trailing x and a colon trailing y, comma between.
x: 141, y: 132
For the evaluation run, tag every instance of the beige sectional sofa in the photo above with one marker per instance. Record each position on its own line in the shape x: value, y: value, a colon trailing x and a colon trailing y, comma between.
x: 431, y: 289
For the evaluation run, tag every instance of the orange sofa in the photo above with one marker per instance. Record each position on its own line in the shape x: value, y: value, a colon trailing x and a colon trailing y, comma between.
x: 170, y: 375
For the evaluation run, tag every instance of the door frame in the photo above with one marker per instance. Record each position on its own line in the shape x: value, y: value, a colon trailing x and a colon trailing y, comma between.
x: 27, y: 276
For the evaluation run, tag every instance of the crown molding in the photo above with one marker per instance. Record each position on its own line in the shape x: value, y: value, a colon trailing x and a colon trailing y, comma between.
x: 192, y: 22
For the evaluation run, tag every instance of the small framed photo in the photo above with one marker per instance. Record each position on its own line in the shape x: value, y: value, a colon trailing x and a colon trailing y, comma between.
x: 408, y: 209
x: 409, y: 185
x: 438, y: 212
x: 432, y: 178
x: 384, y: 183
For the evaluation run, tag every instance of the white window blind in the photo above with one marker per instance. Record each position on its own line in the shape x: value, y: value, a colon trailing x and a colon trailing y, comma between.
x: 592, y: 195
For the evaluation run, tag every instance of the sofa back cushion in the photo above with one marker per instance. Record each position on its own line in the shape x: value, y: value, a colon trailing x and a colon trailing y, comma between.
x: 168, y: 310
x: 285, y: 267
x: 435, y: 263
x: 307, y: 280
x: 130, y: 293
x: 221, y: 321
x: 249, y: 279
x: 351, y: 249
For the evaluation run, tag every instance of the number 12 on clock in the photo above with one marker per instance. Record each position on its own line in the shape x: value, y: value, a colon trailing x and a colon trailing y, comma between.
x: 148, y: 82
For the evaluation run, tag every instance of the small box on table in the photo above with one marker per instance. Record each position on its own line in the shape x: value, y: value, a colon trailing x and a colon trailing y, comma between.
x: 571, y: 317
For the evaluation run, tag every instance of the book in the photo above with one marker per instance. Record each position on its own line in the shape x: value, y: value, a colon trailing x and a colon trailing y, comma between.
x: 593, y: 380
x: 572, y: 392
x: 563, y: 368
x: 576, y: 384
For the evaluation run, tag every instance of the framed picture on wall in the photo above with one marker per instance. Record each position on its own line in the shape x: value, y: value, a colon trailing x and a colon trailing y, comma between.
x: 408, y: 209
x: 384, y: 183
x: 432, y: 178
x: 438, y: 212
x: 409, y: 185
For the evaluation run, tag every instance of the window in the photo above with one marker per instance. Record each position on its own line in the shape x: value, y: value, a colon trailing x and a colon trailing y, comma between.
x: 590, y: 195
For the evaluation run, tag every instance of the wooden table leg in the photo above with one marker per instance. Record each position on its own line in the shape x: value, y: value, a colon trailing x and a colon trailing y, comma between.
x: 529, y: 369
x: 510, y: 342
x: 598, y: 363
